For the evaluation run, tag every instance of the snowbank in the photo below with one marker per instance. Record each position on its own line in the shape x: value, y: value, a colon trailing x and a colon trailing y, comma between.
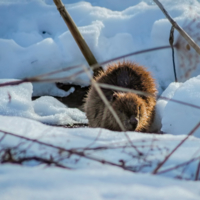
x: 17, y: 101
x: 35, y: 40
x: 95, y: 183
x: 91, y: 178
x: 179, y: 118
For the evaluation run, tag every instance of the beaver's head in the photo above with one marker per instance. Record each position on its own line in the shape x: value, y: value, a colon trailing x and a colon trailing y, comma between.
x: 130, y: 109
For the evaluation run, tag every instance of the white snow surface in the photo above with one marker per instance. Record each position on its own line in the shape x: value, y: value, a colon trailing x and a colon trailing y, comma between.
x: 35, y: 40
x: 94, y: 183
x: 90, y: 179
x: 17, y: 101
x: 180, y: 118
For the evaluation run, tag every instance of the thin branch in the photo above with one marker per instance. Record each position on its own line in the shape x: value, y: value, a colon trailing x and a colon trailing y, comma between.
x: 113, y: 87
x: 2, y: 137
x: 103, y: 85
x: 70, y: 151
x: 180, y: 102
x: 8, y: 158
x: 38, y: 78
x: 58, y: 71
x: 168, y: 156
x: 131, y: 54
x: 107, y: 147
x: 197, y: 172
x: 177, y: 166
x: 171, y: 41
x: 178, y: 28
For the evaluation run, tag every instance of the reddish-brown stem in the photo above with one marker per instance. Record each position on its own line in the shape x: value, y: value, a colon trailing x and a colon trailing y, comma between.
x: 177, y: 166
x: 197, y: 172
x: 168, y: 156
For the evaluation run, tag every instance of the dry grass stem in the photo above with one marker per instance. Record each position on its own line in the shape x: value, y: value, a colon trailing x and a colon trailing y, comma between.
x: 107, y: 86
x: 178, y: 166
x: 168, y: 156
x: 130, y: 54
x: 70, y: 151
x: 77, y: 36
x: 38, y: 78
x: 178, y: 28
x: 198, y: 171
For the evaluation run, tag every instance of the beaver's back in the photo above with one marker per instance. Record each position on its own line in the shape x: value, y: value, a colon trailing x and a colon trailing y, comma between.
x: 128, y: 75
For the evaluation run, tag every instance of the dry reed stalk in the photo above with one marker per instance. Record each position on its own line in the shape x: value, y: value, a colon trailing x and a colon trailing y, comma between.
x: 178, y: 28
x: 77, y: 36
x: 155, y: 171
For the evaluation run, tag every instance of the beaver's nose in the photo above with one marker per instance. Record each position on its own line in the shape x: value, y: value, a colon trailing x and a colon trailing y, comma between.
x: 131, y: 123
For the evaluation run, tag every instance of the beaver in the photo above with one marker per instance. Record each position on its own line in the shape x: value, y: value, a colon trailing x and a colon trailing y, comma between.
x: 136, y: 112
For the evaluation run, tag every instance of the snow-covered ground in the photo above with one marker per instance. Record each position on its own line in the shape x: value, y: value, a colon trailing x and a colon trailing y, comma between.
x: 91, y: 179
x: 17, y: 101
x: 34, y: 40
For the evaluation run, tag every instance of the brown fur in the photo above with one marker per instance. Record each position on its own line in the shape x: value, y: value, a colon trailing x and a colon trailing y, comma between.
x: 136, y: 112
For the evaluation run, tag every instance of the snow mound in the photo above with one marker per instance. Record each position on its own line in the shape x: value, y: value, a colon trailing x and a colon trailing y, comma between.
x: 16, y: 101
x: 100, y: 183
x: 35, y: 40
x: 178, y: 118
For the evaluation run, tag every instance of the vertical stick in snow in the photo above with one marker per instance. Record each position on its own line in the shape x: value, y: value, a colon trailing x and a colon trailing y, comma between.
x: 78, y: 37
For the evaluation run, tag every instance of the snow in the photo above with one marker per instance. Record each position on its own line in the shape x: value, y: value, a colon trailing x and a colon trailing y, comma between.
x: 107, y: 183
x: 38, y: 41
x: 34, y: 40
x: 92, y: 178
x: 184, y: 118
x: 16, y: 101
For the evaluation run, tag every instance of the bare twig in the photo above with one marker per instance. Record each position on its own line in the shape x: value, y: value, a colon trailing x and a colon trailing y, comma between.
x: 177, y: 166
x: 108, y: 147
x: 3, y: 136
x: 171, y: 41
x: 178, y: 28
x: 38, y: 78
x: 58, y: 71
x: 34, y: 79
x: 107, y: 86
x: 131, y: 54
x: 179, y: 102
x: 197, y: 172
x: 70, y: 151
x: 168, y: 156
x: 8, y: 158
